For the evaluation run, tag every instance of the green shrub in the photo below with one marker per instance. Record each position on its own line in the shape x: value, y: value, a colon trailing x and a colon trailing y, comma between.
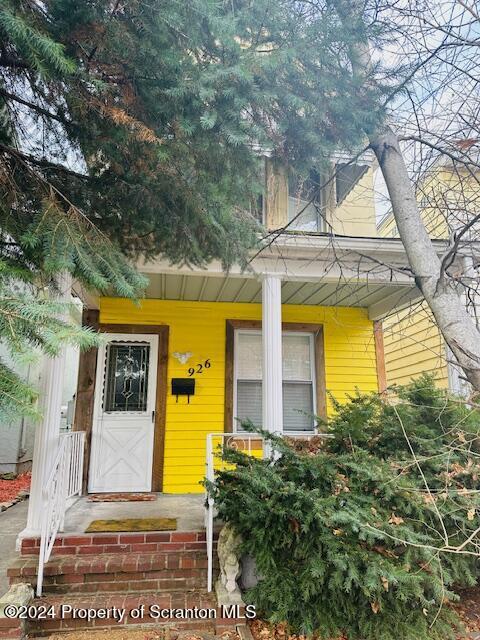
x: 347, y: 538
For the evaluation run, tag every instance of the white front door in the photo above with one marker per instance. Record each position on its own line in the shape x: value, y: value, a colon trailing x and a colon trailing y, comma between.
x: 124, y: 414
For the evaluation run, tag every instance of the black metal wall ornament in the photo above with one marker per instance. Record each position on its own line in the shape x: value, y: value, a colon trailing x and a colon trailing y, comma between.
x: 183, y: 387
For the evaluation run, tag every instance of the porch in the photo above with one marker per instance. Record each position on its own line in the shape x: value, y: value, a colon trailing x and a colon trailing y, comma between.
x: 187, y: 509
x: 197, y: 322
x: 165, y: 570
x: 73, y: 539
x: 201, y: 340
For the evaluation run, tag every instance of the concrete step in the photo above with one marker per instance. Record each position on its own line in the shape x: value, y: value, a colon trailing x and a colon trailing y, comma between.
x: 194, y: 609
x: 158, y: 571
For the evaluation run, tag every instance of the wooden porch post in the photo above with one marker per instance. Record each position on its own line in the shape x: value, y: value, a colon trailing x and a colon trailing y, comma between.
x: 380, y: 356
x: 87, y: 368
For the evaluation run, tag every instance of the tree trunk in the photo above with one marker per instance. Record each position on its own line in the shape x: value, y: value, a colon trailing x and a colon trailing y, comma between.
x: 445, y: 302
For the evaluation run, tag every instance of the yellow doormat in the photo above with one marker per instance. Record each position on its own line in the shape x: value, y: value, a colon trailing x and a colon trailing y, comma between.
x: 132, y: 524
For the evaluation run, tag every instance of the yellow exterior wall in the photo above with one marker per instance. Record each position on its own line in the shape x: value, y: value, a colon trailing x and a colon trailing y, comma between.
x: 446, y: 197
x: 413, y: 345
x: 356, y: 215
x: 436, y: 190
x: 199, y: 327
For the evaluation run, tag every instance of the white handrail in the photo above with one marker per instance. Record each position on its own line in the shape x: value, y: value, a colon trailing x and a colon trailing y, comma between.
x: 233, y: 440
x: 64, y: 482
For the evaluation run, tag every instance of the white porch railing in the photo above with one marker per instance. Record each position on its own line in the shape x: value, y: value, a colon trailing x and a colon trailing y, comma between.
x: 64, y: 482
x: 249, y: 443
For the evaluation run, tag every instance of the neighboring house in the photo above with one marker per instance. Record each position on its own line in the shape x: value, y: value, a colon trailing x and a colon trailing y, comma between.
x: 18, y: 436
x: 448, y: 196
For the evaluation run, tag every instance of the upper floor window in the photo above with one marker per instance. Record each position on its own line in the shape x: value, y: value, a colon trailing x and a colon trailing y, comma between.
x: 304, y: 203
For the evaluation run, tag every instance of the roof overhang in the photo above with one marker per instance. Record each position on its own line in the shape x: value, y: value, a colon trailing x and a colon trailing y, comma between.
x: 316, y: 269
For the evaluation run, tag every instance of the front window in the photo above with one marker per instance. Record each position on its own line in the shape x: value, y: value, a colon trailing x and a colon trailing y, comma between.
x: 298, y: 380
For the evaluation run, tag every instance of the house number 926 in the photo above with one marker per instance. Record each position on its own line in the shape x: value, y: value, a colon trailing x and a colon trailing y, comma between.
x: 199, y: 367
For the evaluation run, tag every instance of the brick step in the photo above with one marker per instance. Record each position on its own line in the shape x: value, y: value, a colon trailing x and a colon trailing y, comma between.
x: 116, y: 572
x: 66, y: 613
x: 97, y: 543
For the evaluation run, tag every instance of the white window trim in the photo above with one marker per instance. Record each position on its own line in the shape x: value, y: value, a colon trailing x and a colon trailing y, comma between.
x: 311, y: 337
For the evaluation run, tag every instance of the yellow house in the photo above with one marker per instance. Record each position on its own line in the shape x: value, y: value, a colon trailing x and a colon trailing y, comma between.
x: 448, y: 197
x: 188, y: 359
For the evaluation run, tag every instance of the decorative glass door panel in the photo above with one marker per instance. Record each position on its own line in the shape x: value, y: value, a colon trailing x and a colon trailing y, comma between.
x: 126, y: 384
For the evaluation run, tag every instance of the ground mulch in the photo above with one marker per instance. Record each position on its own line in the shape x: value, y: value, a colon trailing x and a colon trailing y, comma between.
x: 141, y: 634
x: 262, y: 630
x: 468, y: 609
x: 9, y: 489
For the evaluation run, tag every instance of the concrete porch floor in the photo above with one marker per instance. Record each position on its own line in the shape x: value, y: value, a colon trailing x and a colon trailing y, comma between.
x: 187, y: 508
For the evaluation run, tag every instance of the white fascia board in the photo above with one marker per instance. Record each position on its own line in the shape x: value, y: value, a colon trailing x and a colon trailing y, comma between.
x: 367, y: 157
x: 291, y: 269
x: 308, y: 243
x: 296, y: 256
x: 310, y: 259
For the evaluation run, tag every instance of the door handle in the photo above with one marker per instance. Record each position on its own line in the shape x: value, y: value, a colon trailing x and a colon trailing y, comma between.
x: 153, y: 415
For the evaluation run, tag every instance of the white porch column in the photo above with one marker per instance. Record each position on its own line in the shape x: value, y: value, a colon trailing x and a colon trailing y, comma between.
x: 272, y: 394
x: 47, y: 431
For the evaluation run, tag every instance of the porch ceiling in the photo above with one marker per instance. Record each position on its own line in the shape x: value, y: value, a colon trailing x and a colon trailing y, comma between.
x: 208, y: 288
x: 316, y: 269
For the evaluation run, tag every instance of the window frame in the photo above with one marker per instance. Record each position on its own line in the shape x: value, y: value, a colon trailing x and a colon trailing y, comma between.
x: 319, y: 200
x: 317, y: 364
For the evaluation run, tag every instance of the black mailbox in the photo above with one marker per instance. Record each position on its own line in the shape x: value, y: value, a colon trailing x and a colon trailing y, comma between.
x: 183, y: 387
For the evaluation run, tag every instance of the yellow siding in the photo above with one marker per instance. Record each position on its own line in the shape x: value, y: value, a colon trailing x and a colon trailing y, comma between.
x: 387, y: 228
x: 446, y: 197
x: 356, y: 215
x: 200, y: 328
x: 413, y: 345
